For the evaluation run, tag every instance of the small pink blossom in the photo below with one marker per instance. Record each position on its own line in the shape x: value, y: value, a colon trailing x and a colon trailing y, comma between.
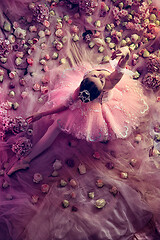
x: 123, y: 13
x: 45, y: 188
x: 37, y: 178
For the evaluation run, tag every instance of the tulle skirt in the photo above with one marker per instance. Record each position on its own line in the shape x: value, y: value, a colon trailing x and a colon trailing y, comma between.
x: 76, y: 189
x: 113, y: 115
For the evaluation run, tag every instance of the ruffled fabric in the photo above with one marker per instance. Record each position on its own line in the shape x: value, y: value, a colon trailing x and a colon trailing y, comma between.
x: 112, y: 115
x: 56, y: 198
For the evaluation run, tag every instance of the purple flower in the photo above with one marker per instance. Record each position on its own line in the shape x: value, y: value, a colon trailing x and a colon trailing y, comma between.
x: 15, y: 125
x: 123, y: 13
x: 151, y: 81
x: 22, y: 147
x: 128, y: 2
x: 153, y: 64
x: 40, y: 13
x: 5, y: 48
x: 115, y: 12
x: 88, y: 6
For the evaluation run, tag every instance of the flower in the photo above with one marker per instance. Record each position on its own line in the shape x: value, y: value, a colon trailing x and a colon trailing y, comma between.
x: 115, y: 12
x: 88, y: 6
x: 14, y: 125
x: 5, y: 47
x: 45, y: 188
x: 153, y: 64
x: 37, y: 178
x: 22, y: 147
x: 40, y: 13
x: 151, y: 81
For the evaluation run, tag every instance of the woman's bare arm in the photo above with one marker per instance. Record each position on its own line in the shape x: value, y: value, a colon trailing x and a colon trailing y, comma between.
x: 116, y: 76
x: 37, y: 116
x: 56, y: 109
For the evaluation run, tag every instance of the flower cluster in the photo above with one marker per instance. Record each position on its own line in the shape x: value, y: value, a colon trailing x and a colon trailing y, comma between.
x: 3, y: 111
x: 40, y: 13
x: 151, y: 81
x: 5, y: 48
x: 19, y: 45
x: 128, y: 3
x: 22, y: 147
x: 153, y: 64
x: 88, y: 6
x: 115, y: 12
x: 14, y: 125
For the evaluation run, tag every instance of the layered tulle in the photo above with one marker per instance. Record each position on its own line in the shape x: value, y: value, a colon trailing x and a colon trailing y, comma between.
x: 114, y: 114
x: 124, y: 173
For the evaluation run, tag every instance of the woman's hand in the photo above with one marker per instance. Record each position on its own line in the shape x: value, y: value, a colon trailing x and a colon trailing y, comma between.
x: 124, y: 55
x: 121, y: 52
x: 34, y: 117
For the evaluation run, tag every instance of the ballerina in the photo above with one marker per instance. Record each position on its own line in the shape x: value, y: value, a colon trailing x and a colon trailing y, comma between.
x: 100, y: 108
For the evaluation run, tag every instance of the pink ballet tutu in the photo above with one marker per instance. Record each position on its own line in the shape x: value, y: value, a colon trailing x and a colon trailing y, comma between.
x: 77, y: 190
x: 112, y: 115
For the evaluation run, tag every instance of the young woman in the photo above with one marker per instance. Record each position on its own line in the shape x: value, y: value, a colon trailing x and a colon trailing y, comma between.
x: 99, y: 108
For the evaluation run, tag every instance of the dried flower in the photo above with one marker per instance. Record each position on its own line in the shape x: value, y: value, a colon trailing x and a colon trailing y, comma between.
x: 36, y: 87
x: 109, y: 165
x: 57, y: 164
x: 7, y: 26
x: 22, y: 147
x: 99, y: 183
x: 82, y: 169
x: 151, y: 81
x: 88, y: 6
x: 65, y: 203
x: 91, y: 195
x: 153, y: 64
x: 73, y: 183
x: 100, y: 203
x: 96, y: 155
x: 45, y: 188
x: 124, y: 175
x: 37, y: 178
x: 15, y: 105
x: 59, y: 33
x: 40, y: 13
x: 63, y: 183
x: 14, y: 125
x: 5, y: 48
x: 133, y: 162
x: 113, y: 190
x: 20, y: 33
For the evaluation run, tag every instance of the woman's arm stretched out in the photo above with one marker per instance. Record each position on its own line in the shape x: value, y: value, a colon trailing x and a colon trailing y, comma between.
x: 39, y: 115
x: 56, y: 109
x: 116, y: 76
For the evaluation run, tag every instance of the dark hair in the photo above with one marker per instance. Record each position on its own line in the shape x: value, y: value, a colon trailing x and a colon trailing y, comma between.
x: 91, y: 87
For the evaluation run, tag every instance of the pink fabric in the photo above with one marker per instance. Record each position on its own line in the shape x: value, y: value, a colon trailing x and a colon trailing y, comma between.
x: 137, y: 201
x: 113, y: 115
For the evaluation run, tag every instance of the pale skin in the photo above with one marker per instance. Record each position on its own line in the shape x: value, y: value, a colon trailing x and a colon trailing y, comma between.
x: 104, y: 81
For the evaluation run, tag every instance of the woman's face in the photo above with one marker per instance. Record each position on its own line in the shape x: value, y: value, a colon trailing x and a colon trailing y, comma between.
x: 99, y: 77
